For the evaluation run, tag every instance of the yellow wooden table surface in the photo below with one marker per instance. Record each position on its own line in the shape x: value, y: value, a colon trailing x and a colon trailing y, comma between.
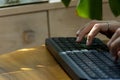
x: 30, y: 64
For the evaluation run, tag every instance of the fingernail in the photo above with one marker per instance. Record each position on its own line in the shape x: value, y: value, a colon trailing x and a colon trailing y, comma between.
x: 77, y: 39
x: 87, y: 42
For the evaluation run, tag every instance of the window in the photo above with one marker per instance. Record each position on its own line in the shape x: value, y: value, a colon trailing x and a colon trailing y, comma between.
x: 6, y: 3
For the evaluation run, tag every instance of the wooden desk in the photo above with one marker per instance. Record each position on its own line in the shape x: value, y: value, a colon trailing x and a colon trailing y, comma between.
x: 30, y: 64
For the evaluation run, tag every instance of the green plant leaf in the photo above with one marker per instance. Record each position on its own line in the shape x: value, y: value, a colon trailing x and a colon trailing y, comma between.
x: 90, y: 9
x: 66, y: 2
x: 115, y: 7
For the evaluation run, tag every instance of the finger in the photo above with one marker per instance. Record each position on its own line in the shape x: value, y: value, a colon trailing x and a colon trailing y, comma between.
x: 115, y: 47
x: 81, y: 33
x: 114, y: 37
x: 94, y: 31
x: 78, y: 32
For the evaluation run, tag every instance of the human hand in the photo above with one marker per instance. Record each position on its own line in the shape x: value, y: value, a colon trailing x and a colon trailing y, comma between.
x: 94, y: 27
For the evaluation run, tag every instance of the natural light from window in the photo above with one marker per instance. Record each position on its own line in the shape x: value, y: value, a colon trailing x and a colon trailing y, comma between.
x: 4, y: 3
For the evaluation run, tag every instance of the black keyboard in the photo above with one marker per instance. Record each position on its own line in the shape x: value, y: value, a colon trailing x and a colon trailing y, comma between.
x: 83, y: 62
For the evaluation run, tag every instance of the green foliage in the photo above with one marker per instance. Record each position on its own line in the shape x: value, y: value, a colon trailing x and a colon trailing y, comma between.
x: 66, y: 2
x: 115, y: 7
x: 90, y: 9
x: 93, y: 8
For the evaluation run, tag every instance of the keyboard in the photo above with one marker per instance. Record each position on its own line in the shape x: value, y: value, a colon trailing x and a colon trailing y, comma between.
x: 83, y: 62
